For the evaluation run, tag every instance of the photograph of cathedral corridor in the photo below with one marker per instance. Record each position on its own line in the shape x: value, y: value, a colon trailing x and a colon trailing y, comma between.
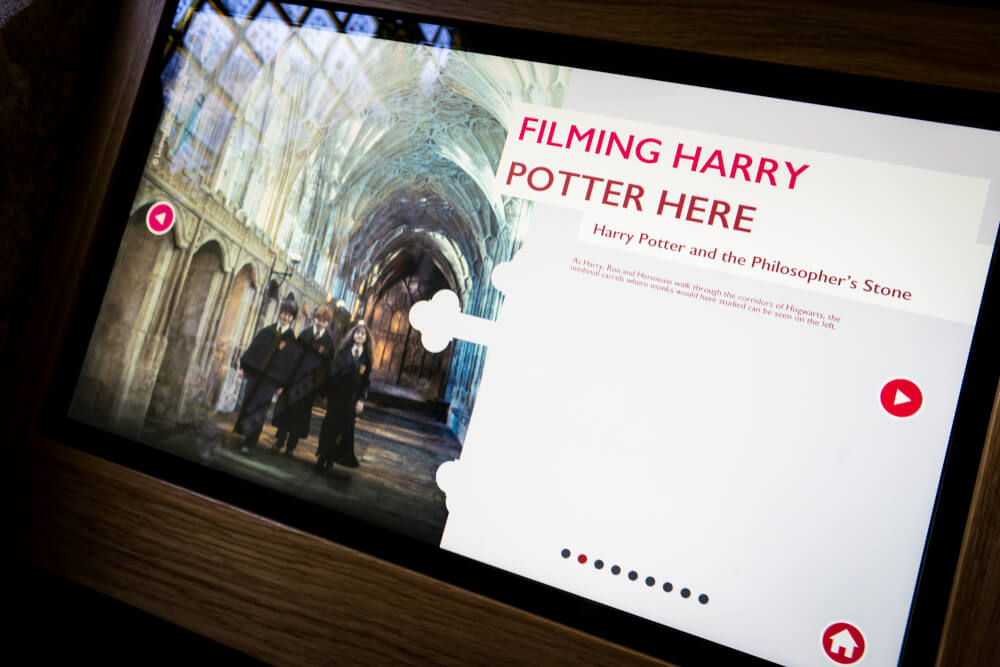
x: 321, y: 171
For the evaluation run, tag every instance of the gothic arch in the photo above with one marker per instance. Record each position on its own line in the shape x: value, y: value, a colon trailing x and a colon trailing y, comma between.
x: 401, y: 365
x: 125, y: 352
x: 180, y: 383
x: 234, y: 331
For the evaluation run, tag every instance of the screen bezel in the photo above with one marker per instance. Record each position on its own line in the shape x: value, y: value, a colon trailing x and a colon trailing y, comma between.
x: 932, y: 103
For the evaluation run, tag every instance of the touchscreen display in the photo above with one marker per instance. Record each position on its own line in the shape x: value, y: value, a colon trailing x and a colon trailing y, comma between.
x: 691, y: 354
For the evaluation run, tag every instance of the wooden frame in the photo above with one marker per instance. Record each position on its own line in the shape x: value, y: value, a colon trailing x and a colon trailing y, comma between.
x: 284, y: 596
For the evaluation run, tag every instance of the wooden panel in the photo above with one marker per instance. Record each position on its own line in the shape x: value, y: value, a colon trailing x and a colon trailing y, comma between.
x: 912, y: 41
x: 278, y: 594
x: 288, y: 597
x: 972, y: 629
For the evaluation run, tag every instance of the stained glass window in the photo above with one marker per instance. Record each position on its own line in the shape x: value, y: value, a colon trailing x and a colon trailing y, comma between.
x: 207, y: 37
x: 182, y: 9
x: 294, y: 12
x: 267, y: 32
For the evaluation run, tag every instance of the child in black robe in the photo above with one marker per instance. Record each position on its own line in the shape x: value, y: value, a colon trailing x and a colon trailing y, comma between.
x: 267, y: 364
x: 346, y: 390
x: 293, y: 412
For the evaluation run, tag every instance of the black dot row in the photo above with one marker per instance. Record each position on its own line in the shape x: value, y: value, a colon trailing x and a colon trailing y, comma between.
x: 633, y: 575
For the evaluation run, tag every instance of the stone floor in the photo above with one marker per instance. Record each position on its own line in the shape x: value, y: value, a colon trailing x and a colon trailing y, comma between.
x: 399, y: 450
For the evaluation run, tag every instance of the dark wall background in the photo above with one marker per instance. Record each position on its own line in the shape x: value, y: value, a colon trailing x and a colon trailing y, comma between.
x: 50, y: 57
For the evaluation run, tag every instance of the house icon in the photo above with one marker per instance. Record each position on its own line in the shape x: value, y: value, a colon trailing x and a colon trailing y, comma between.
x: 843, y: 643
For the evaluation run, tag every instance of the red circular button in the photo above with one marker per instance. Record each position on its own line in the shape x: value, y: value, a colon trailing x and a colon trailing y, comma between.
x: 160, y: 217
x: 901, y: 398
x: 843, y: 643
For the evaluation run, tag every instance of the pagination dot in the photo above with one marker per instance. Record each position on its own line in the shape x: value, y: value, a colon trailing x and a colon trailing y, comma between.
x: 633, y: 576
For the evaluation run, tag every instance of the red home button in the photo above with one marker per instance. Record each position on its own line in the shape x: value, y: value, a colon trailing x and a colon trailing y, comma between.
x: 843, y: 643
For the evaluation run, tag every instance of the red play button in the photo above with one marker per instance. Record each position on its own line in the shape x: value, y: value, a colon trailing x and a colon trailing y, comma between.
x: 160, y: 217
x: 843, y: 643
x: 901, y: 398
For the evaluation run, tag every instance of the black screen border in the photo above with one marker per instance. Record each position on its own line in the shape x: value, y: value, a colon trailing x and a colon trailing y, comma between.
x: 847, y: 91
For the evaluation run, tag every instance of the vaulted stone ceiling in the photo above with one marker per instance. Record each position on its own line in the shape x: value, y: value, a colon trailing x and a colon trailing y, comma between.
x: 345, y: 147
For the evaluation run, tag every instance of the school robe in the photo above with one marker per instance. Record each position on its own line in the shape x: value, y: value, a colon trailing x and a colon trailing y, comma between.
x: 293, y: 412
x: 347, y: 384
x: 267, y: 364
